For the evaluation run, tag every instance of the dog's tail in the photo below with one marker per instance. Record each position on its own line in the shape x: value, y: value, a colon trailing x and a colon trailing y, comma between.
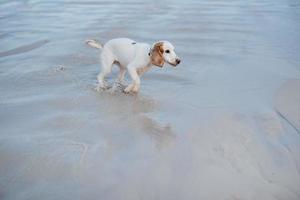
x: 94, y: 43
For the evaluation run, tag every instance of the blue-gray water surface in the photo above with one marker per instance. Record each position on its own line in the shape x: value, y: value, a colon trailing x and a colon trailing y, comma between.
x: 207, y: 129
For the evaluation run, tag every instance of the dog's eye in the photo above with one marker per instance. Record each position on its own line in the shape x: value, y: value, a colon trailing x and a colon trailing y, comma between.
x: 167, y: 51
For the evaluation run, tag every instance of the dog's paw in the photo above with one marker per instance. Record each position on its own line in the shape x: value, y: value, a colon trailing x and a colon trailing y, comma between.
x: 131, y: 89
x: 128, y: 89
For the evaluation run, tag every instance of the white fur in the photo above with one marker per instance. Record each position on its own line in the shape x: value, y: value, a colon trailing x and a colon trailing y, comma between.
x: 129, y: 55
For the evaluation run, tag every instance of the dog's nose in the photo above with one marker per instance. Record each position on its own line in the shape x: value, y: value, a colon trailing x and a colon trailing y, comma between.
x: 177, y: 61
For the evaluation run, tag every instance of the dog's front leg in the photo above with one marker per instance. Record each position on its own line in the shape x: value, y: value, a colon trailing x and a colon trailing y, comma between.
x: 135, y: 85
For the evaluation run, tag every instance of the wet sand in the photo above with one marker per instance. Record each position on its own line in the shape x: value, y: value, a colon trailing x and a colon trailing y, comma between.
x: 224, y: 124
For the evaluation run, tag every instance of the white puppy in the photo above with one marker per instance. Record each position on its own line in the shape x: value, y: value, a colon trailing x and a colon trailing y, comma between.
x: 137, y: 58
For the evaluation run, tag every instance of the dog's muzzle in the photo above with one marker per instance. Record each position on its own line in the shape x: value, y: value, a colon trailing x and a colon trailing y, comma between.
x: 177, y: 61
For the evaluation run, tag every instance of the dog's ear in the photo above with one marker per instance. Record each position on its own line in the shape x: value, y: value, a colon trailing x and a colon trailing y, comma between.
x: 157, y: 54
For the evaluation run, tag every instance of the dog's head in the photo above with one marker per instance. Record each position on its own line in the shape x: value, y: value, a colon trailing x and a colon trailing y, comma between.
x: 163, y: 51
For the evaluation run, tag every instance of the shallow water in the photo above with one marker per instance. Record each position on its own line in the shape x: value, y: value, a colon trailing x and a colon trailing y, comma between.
x: 207, y: 129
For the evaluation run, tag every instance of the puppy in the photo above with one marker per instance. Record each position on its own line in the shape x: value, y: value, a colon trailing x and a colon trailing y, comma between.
x: 137, y: 58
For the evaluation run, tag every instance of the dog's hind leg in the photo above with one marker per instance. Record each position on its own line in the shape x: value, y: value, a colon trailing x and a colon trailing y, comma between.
x: 121, y: 74
x: 107, y: 61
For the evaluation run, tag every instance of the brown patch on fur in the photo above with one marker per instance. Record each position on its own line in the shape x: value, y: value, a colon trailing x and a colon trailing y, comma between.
x: 157, y: 55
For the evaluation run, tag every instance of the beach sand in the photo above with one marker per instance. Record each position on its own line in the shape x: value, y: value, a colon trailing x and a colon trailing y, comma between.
x: 224, y: 124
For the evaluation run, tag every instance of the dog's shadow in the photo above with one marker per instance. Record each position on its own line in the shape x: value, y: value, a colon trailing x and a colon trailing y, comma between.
x: 134, y: 109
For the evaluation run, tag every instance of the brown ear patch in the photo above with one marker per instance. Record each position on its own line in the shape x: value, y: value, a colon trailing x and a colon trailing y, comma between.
x: 157, y: 54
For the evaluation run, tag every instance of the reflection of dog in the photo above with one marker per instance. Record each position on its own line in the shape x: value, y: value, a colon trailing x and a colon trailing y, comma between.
x: 137, y: 58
